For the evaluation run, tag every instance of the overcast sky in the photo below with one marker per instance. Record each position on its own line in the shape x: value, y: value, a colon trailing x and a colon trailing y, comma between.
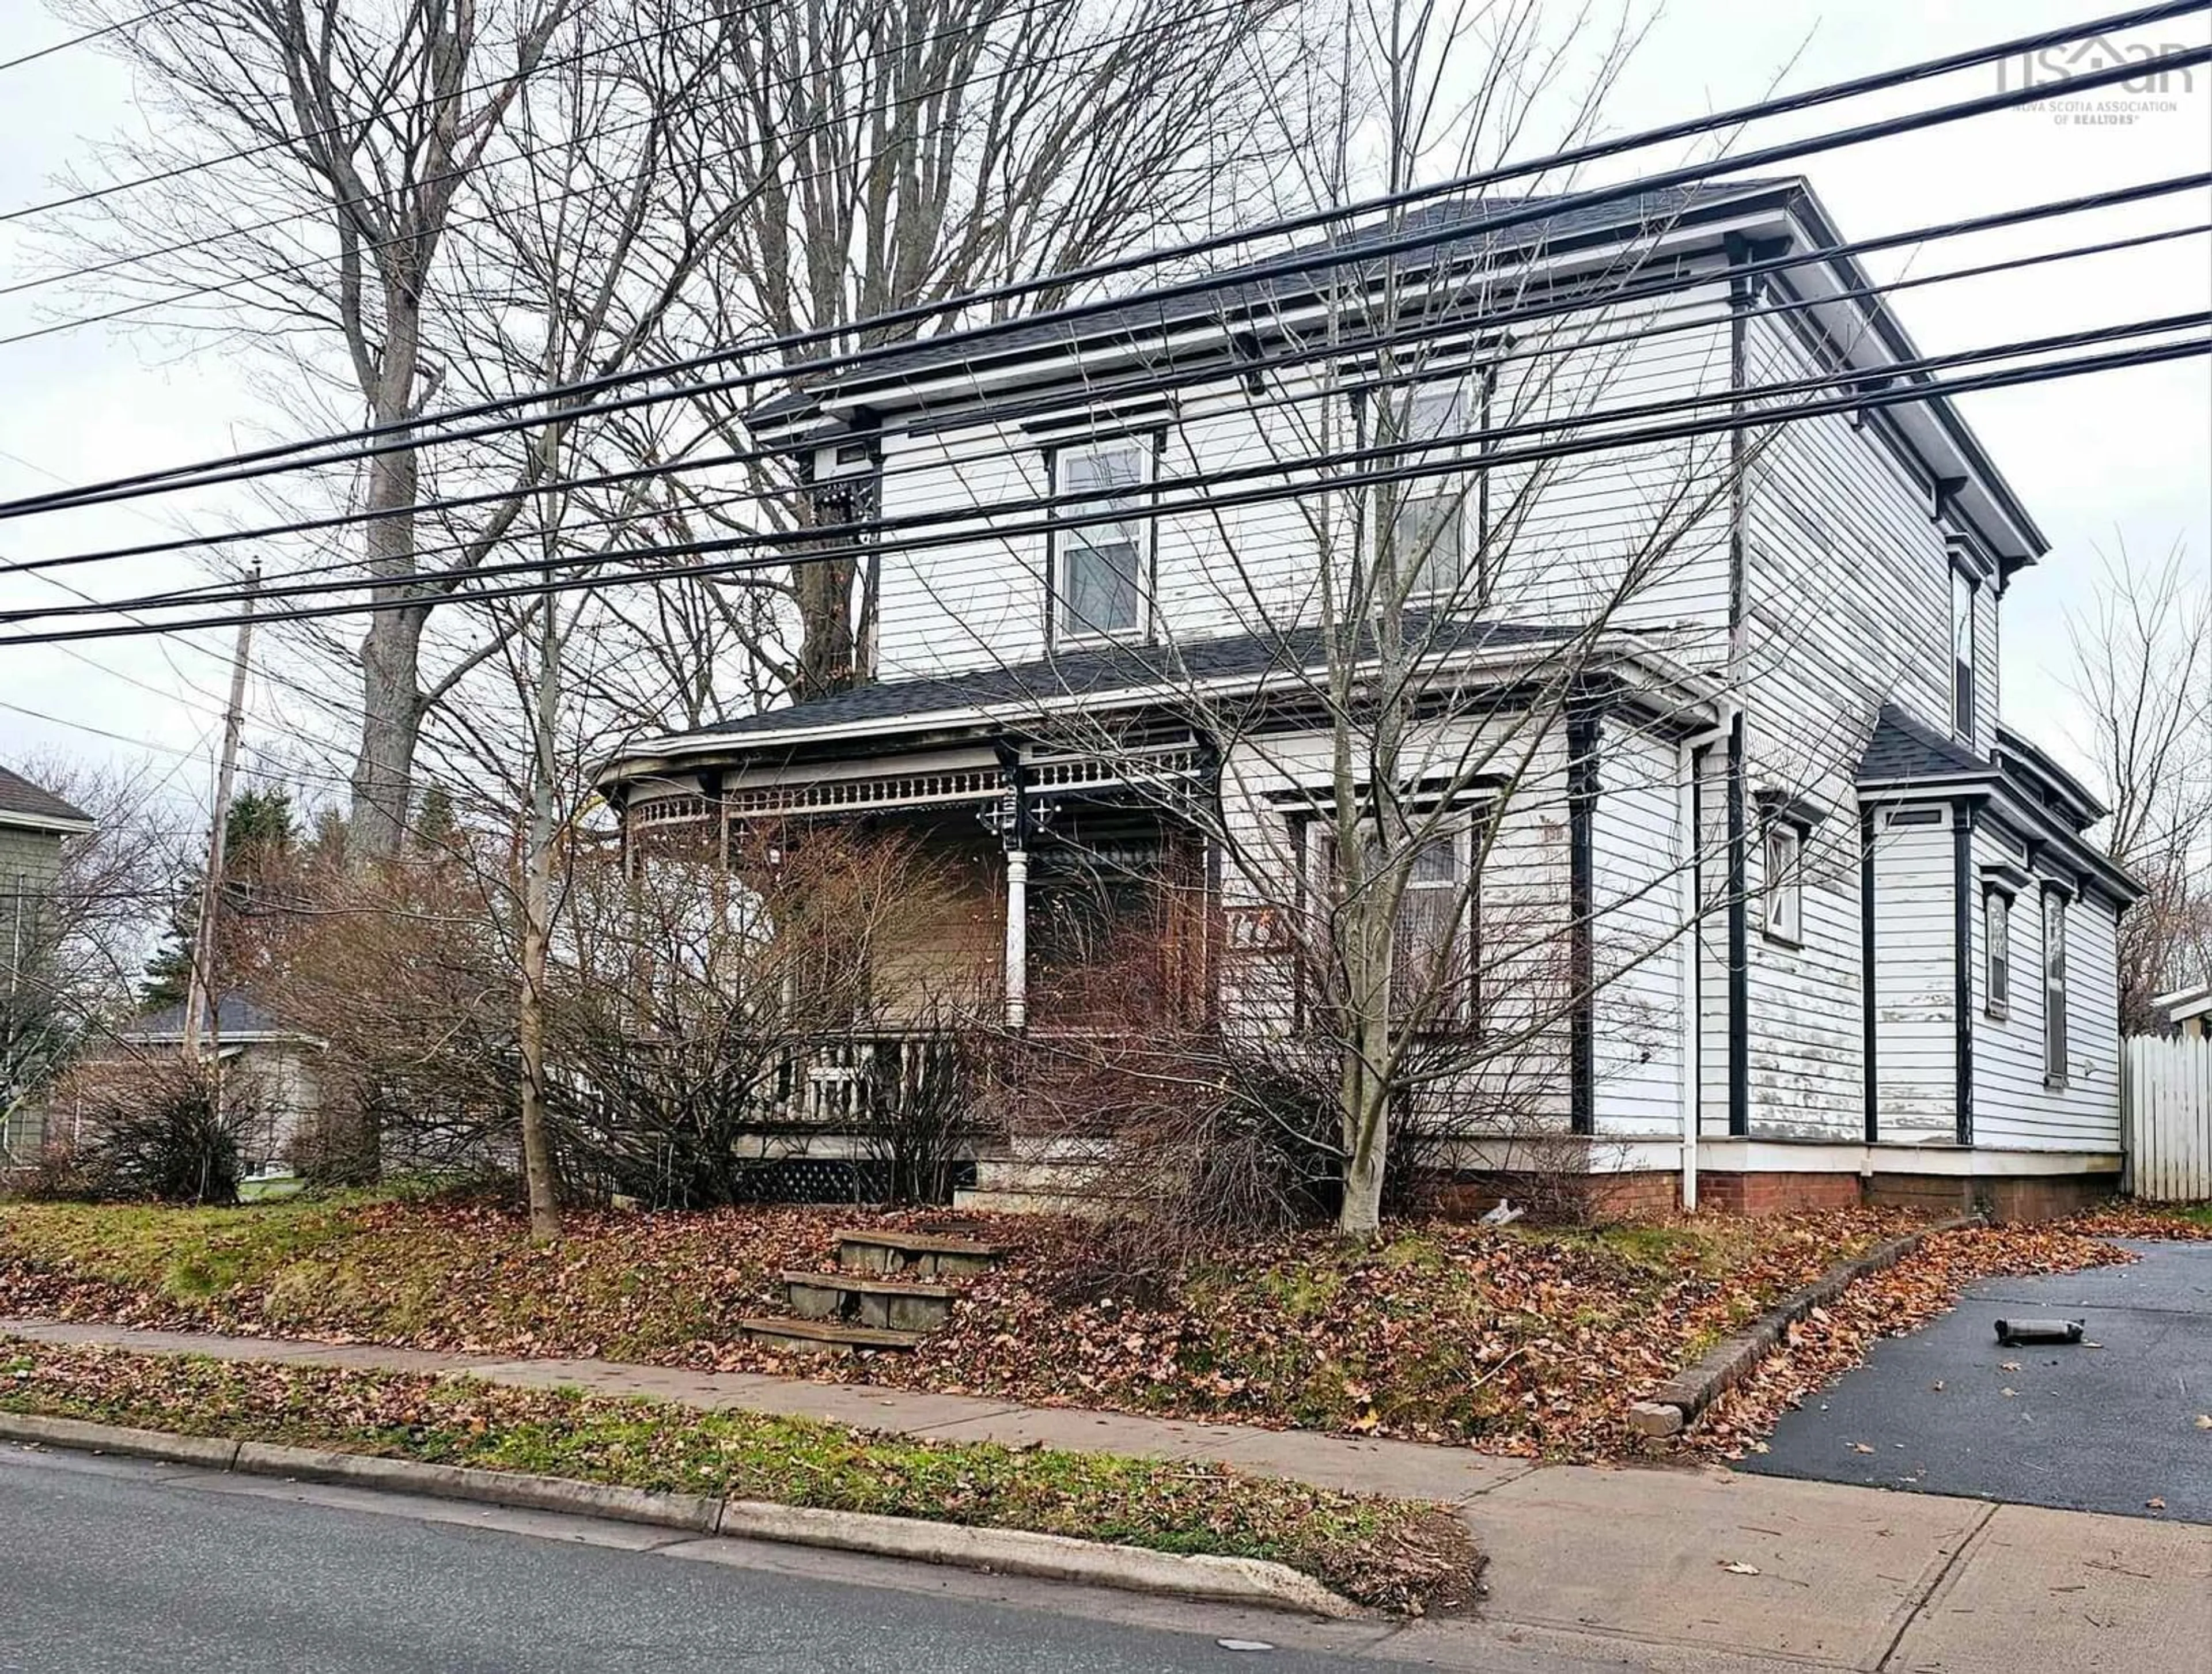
x: 2120, y: 461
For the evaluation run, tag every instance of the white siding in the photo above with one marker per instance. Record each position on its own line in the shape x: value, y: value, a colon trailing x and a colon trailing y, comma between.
x: 1640, y: 903
x: 2013, y: 1103
x: 1916, y: 1011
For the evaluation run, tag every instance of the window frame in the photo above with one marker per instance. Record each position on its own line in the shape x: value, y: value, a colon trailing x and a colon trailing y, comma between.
x: 1997, y: 952
x: 1462, y: 823
x: 1781, y: 910
x: 2054, y: 1020
x: 1964, y: 632
x: 1061, y: 630
x: 1469, y: 392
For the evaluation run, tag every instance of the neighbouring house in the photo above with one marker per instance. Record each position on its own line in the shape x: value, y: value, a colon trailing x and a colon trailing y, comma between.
x: 2189, y: 1010
x: 34, y: 825
x: 1822, y: 926
x: 282, y: 1065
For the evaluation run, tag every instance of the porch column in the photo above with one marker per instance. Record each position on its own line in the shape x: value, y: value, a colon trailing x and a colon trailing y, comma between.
x: 1017, y: 937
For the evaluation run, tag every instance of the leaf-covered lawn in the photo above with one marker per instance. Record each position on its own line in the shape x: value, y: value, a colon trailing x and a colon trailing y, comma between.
x: 1395, y: 1554
x: 1518, y: 1341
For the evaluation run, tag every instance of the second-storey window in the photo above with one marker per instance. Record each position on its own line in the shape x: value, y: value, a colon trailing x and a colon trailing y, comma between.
x: 1962, y: 654
x: 1429, y: 529
x: 1101, y: 579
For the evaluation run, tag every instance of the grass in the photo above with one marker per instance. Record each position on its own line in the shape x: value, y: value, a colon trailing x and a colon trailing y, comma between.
x: 1523, y: 1340
x: 1395, y: 1553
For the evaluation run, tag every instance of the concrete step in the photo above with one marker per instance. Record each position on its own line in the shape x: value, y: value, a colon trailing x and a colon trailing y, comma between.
x: 896, y: 1305
x: 817, y: 1336
x: 916, y: 1254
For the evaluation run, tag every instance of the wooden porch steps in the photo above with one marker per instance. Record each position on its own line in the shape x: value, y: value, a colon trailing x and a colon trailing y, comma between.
x: 818, y: 1337
x: 921, y: 1254
x: 881, y: 1297
x: 896, y: 1305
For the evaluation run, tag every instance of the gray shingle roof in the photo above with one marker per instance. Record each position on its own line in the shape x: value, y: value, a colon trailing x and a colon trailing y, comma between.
x: 1905, y: 747
x: 234, y: 1014
x: 18, y: 795
x: 1104, y: 671
x: 1233, y: 297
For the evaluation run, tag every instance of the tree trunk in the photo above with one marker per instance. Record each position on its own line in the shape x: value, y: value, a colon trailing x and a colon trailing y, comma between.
x: 390, y: 649
x: 537, y: 1171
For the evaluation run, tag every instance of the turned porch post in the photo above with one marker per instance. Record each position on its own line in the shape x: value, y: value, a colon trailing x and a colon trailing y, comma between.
x: 1013, y: 820
x: 1017, y: 937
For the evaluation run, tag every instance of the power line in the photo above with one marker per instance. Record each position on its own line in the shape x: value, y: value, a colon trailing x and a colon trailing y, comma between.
x: 1176, y: 378
x: 86, y: 38
x: 790, y: 138
x: 239, y: 466
x: 1212, y: 503
x: 200, y: 164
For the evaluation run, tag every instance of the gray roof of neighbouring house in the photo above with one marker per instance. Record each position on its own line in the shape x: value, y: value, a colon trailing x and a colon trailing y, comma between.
x: 236, y: 1017
x: 1905, y: 747
x: 1229, y: 297
x: 18, y: 795
x: 1105, y: 671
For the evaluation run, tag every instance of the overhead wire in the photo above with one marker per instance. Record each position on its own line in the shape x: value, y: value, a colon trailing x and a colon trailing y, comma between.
x: 249, y: 464
x: 1683, y: 281
x: 1064, y: 511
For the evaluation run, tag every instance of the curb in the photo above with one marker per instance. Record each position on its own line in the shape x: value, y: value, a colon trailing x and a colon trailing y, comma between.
x: 1676, y: 1404
x: 1251, y: 1582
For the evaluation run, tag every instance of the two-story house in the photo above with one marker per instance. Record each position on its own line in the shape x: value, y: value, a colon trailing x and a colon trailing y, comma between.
x: 34, y: 823
x: 1702, y: 599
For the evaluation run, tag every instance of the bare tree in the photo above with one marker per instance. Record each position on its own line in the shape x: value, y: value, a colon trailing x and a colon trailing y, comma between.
x: 2142, y: 673
x: 347, y: 135
x: 885, y: 154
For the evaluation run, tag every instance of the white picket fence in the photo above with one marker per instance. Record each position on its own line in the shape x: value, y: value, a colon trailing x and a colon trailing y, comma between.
x: 2165, y: 1114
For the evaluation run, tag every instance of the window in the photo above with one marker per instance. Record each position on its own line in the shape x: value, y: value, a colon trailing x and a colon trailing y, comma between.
x: 1432, y: 941
x: 1784, y: 919
x: 2054, y: 988
x: 1428, y: 527
x: 1997, y: 943
x: 1101, y: 570
x: 1962, y: 654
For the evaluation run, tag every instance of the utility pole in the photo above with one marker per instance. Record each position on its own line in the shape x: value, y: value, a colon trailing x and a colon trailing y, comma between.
x: 199, y: 998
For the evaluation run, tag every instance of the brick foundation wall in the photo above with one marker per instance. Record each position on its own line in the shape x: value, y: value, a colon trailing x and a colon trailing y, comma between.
x: 1650, y: 1195
x: 1777, y: 1192
x: 2042, y: 1198
x: 1556, y: 1196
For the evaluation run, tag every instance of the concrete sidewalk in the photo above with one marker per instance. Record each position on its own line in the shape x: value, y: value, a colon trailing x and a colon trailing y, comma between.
x: 1687, y: 1569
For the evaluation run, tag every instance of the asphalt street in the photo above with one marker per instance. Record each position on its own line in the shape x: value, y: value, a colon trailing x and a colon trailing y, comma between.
x: 119, y: 1568
x: 2110, y: 1426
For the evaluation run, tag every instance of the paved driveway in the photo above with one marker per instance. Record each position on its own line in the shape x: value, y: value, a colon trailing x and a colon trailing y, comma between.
x: 2108, y: 1428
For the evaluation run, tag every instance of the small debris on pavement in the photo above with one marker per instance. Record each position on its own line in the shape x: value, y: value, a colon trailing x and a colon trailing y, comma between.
x: 1735, y: 1566
x: 2013, y: 1333
x: 1244, y: 1645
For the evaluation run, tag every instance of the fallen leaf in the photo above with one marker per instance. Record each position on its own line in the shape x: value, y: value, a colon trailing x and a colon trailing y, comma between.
x: 1735, y: 1566
x: 1860, y: 1447
x: 2156, y: 1503
x: 2204, y: 1421
x: 2009, y: 1393
x: 1937, y: 1385
x: 2009, y: 1366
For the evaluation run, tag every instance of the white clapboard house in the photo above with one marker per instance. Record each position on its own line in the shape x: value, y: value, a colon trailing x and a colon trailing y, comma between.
x: 1831, y: 930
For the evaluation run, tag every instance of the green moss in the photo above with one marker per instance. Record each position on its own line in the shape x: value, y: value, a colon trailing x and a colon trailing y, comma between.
x: 1385, y: 1551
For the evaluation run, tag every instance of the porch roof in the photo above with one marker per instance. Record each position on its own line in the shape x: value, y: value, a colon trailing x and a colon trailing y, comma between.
x: 1105, y: 675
